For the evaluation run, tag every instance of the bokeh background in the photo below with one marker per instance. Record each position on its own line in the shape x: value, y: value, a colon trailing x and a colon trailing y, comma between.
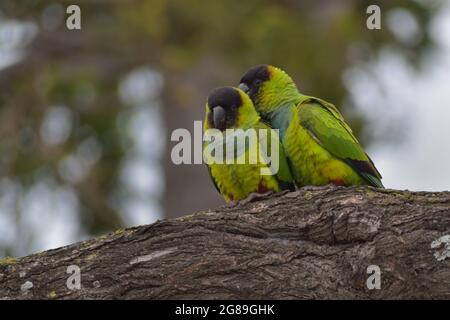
x: 86, y: 115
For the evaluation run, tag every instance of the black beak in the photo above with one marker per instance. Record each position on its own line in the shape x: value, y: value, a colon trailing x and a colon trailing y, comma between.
x: 244, y: 87
x: 219, y: 117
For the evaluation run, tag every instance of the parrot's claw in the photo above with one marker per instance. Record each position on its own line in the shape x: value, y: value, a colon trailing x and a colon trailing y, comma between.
x: 254, y: 196
x: 232, y: 204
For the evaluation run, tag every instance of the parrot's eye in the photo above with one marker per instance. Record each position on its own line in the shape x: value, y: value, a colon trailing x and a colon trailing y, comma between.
x: 258, y: 82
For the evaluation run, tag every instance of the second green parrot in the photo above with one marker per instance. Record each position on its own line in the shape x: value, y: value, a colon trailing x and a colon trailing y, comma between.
x: 229, y: 109
x: 320, y: 147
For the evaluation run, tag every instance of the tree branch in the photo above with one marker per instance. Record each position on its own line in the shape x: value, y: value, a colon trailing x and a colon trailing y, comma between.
x: 313, y: 243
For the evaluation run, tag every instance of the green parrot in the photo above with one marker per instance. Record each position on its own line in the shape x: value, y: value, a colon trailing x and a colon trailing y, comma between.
x: 230, y: 108
x: 320, y: 147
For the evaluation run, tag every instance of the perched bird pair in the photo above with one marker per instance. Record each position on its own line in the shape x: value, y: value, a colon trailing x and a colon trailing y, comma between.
x: 316, y: 146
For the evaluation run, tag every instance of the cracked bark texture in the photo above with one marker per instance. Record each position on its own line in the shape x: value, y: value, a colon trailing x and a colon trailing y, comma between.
x: 315, y: 243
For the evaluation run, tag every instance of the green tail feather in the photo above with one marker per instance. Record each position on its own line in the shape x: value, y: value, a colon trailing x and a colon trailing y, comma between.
x: 373, y: 181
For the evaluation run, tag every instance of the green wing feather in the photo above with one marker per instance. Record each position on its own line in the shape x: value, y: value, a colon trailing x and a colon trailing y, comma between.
x: 327, y: 126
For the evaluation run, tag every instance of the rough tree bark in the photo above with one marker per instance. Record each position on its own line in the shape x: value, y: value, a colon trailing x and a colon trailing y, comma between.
x: 313, y: 243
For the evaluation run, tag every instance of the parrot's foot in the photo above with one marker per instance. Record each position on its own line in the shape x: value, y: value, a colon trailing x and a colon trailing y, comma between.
x: 232, y: 204
x: 254, y: 196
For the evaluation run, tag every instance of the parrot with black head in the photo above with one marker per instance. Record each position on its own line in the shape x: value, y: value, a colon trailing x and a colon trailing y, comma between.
x: 230, y: 108
x: 320, y: 147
